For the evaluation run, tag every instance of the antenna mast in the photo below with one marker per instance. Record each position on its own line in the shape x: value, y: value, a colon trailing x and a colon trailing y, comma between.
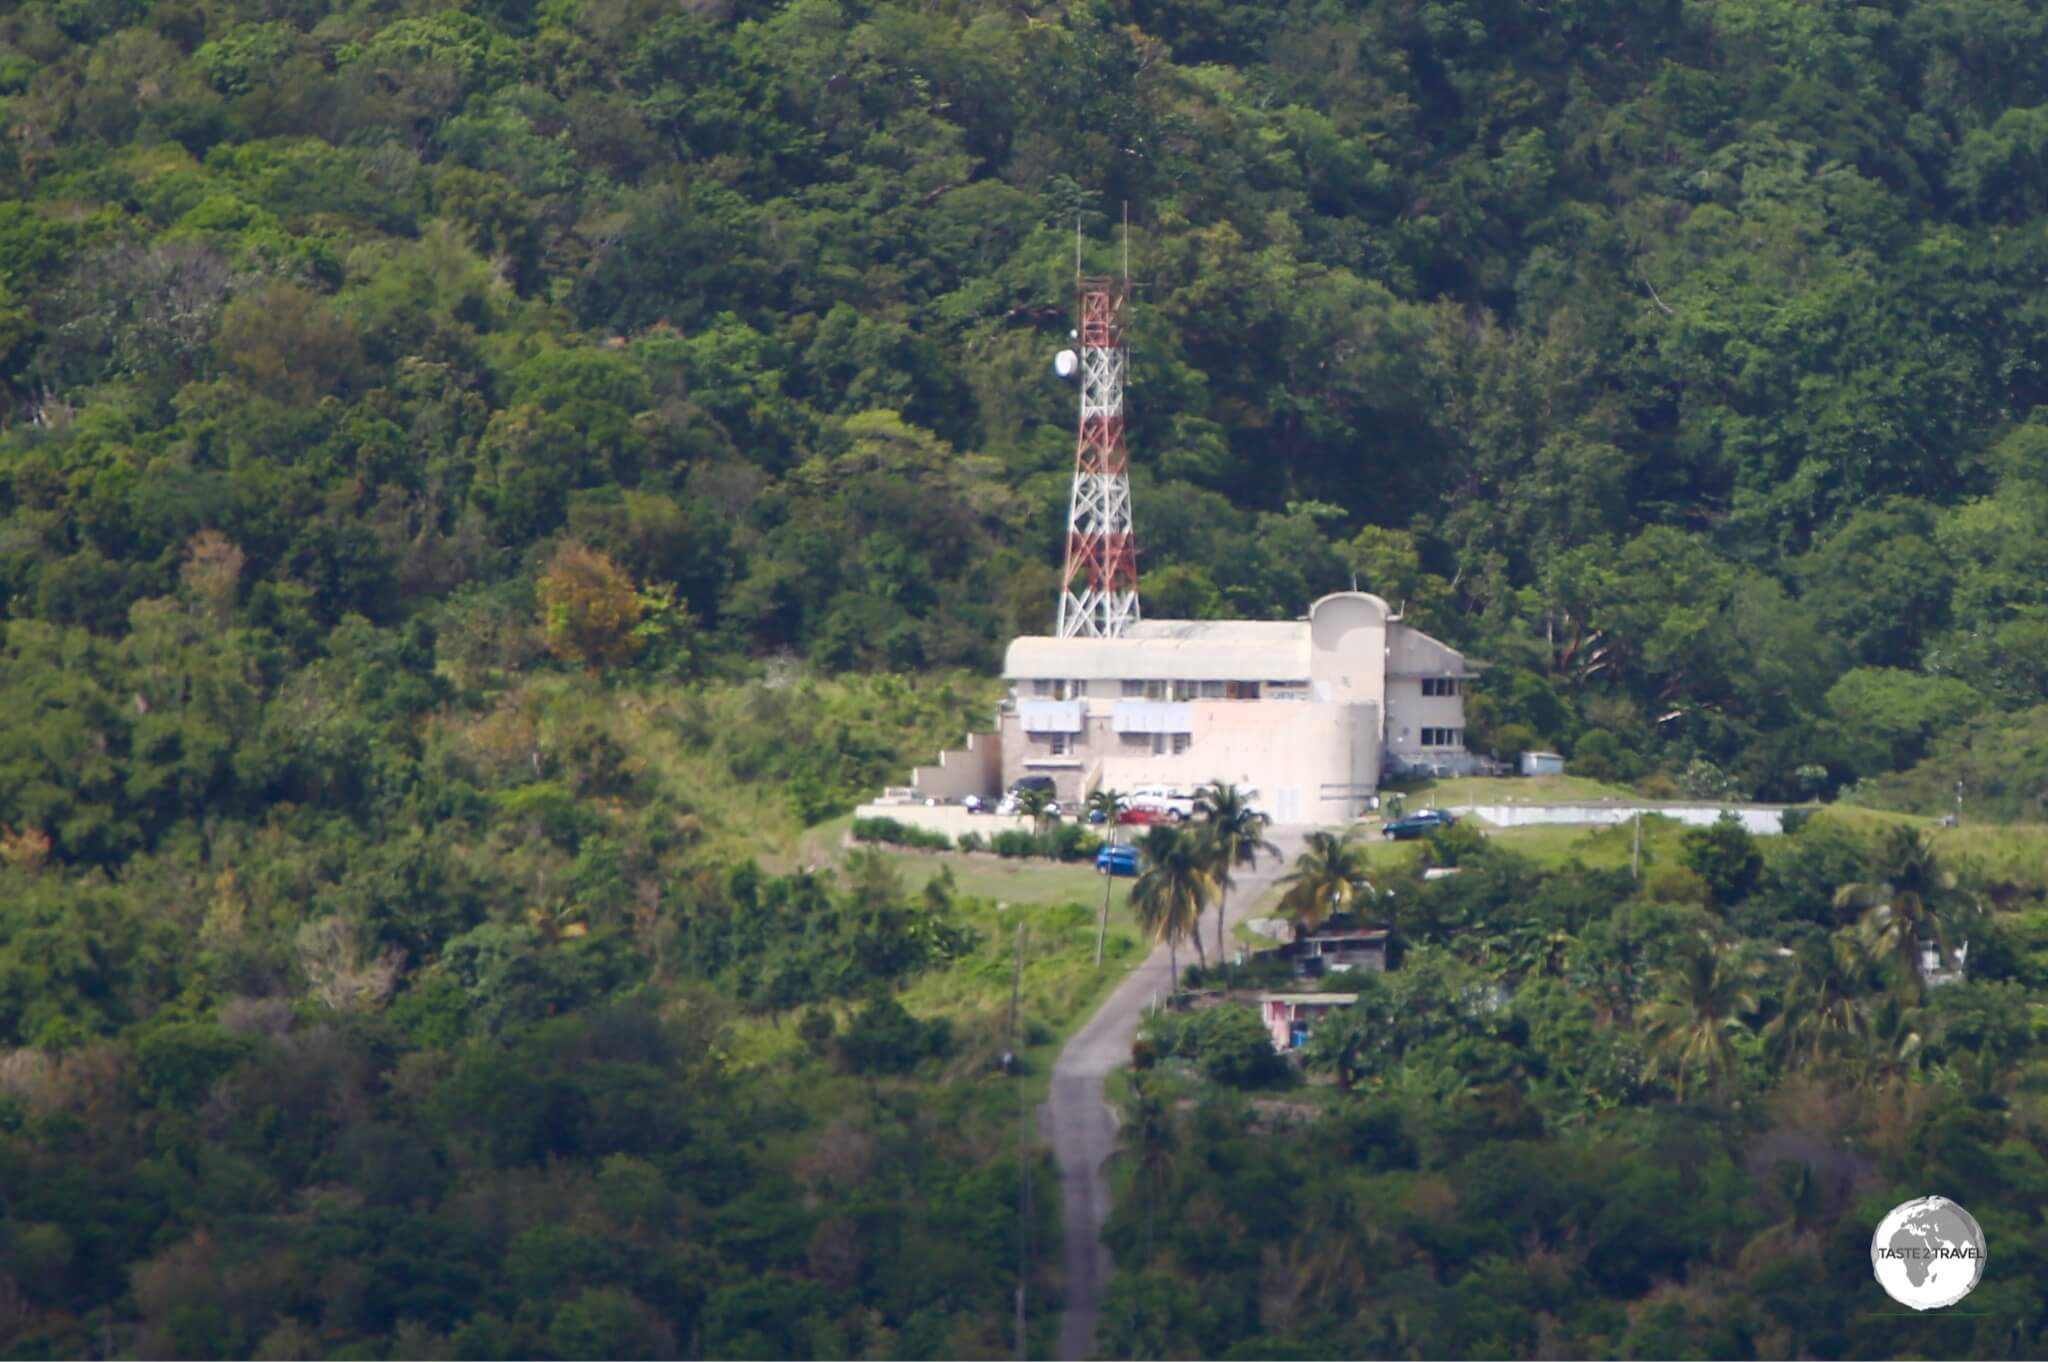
x: 1099, y: 590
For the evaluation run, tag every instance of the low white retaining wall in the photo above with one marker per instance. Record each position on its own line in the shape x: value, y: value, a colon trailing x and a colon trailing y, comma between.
x: 1757, y: 818
x: 950, y: 819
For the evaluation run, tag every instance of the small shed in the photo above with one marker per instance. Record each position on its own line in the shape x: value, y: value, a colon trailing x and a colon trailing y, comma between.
x: 1291, y: 1017
x: 1542, y: 764
x: 1334, y: 952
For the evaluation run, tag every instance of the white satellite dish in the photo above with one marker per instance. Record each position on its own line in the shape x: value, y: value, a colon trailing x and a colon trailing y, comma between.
x: 1065, y: 362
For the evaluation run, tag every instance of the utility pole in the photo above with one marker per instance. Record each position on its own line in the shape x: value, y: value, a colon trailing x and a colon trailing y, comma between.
x: 1023, y: 1153
x: 1959, y: 803
x: 1102, y: 924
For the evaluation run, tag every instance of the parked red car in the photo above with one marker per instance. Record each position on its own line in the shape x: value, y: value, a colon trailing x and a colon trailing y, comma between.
x: 1144, y: 817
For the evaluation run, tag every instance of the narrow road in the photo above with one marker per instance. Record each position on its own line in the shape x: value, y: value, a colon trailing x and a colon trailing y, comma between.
x: 1079, y: 1123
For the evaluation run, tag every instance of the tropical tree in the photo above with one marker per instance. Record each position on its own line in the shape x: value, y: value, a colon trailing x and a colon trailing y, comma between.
x: 1035, y: 805
x: 1329, y: 876
x: 1911, y: 900
x: 1705, y: 998
x: 1148, y: 1143
x: 1346, y: 1046
x: 1826, y: 1000
x: 1174, y: 887
x: 1236, y: 834
x: 1894, y: 1049
x: 1111, y: 805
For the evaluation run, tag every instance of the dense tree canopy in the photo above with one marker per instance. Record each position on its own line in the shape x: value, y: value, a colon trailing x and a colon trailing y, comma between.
x: 478, y: 483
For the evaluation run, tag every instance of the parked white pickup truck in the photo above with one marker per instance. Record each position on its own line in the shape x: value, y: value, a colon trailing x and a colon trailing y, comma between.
x: 1175, y: 804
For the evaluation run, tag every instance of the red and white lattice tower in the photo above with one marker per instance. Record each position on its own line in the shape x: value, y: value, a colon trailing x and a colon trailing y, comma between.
x: 1099, y: 592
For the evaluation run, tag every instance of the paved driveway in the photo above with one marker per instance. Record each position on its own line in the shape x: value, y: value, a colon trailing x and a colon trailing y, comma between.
x: 1081, y: 1127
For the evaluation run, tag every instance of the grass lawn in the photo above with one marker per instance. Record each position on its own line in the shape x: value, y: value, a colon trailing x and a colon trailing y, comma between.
x: 2015, y: 854
x: 1501, y: 789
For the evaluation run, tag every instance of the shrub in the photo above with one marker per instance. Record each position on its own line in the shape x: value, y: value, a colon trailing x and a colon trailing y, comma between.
x: 971, y: 841
x: 1232, y: 1047
x: 1071, y: 842
x: 900, y: 834
x: 883, y: 1038
x: 1014, y: 842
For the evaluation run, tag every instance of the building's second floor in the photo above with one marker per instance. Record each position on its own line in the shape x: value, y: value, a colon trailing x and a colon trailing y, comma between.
x: 1349, y: 650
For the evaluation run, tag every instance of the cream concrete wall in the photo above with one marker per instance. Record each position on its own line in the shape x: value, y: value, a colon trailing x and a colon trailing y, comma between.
x: 1348, y: 648
x: 950, y: 819
x: 1759, y: 819
x: 1288, y: 751
x: 976, y: 769
x: 1410, y: 710
x: 1411, y: 652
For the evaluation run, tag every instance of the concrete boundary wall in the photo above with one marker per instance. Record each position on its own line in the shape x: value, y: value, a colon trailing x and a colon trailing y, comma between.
x: 1757, y: 818
x: 950, y: 819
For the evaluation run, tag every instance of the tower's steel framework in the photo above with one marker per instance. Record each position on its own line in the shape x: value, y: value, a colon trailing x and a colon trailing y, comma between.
x: 1099, y: 592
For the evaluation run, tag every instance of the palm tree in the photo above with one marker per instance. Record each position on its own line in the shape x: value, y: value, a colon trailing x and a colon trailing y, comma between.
x: 1148, y: 1142
x: 1033, y: 805
x: 1236, y: 833
x: 1328, y: 877
x: 1894, y: 1049
x: 1911, y: 900
x: 1695, y: 1021
x: 1111, y: 805
x: 1172, y: 891
x: 1825, y: 999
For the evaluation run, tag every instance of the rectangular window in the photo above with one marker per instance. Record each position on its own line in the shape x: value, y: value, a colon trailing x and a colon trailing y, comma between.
x: 1212, y: 690
x: 1134, y: 690
x: 1242, y: 690
x: 1184, y: 690
x: 1434, y: 737
x: 1043, y: 687
x: 1439, y: 685
x: 1155, y: 690
x: 1181, y: 742
x: 1058, y: 743
x: 1077, y: 690
x: 1158, y: 744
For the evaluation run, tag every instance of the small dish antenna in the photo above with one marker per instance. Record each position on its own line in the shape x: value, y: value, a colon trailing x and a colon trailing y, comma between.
x: 1065, y: 363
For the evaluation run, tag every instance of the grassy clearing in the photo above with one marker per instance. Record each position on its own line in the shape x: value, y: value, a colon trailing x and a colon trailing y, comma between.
x: 2014, y: 854
x: 1502, y: 789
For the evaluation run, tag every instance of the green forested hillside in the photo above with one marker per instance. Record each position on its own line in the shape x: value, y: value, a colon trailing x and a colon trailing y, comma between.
x: 477, y: 483
x: 1679, y: 358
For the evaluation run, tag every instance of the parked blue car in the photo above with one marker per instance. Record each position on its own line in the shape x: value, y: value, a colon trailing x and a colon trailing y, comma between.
x: 1116, y: 861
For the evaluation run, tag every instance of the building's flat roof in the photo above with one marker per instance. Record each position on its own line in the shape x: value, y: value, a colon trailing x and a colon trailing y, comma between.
x: 1170, y: 650
x: 1362, y: 934
x: 1215, y: 650
x: 1346, y: 998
